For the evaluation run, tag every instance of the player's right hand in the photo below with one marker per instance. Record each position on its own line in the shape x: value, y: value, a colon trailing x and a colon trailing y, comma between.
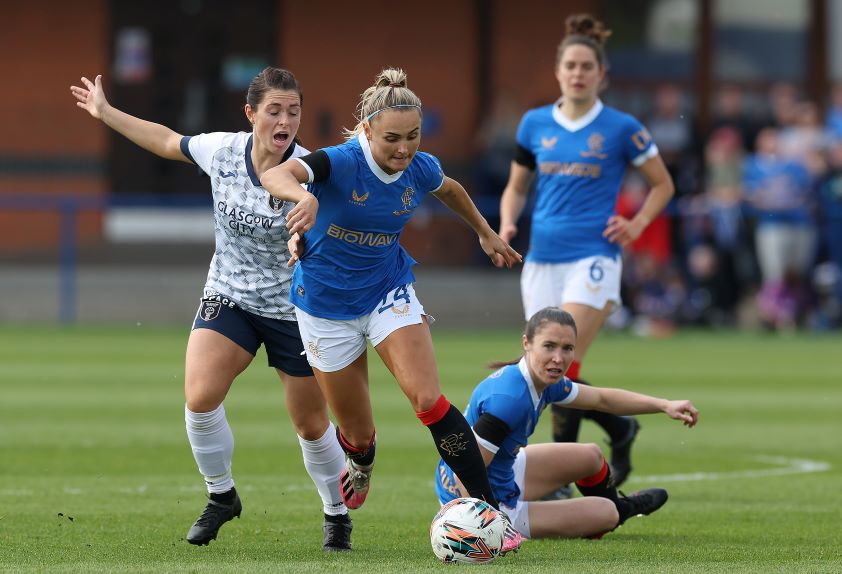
x: 302, y: 217
x: 91, y: 97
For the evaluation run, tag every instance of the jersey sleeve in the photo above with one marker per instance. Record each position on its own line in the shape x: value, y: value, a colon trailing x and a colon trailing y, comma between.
x: 200, y: 149
x: 638, y: 146
x: 317, y: 165
x: 431, y: 172
x: 524, y: 154
x: 342, y: 163
x: 563, y: 392
x: 507, y: 409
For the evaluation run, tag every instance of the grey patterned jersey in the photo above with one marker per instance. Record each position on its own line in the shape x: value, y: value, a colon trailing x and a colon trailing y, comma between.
x: 249, y: 263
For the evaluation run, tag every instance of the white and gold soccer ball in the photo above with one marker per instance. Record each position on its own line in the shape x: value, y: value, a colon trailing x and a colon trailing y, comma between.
x: 467, y: 530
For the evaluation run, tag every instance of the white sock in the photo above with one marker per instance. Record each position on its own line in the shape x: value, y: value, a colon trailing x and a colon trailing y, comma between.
x: 213, y: 447
x: 324, y: 459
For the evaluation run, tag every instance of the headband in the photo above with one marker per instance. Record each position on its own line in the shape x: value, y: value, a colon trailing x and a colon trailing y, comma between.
x: 371, y: 115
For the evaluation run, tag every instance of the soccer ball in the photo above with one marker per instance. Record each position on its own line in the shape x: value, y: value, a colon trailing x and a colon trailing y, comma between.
x: 467, y: 530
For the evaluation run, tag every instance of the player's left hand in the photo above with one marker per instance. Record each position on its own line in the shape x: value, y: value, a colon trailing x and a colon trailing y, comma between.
x: 683, y: 411
x: 296, y: 249
x: 500, y: 252
x: 621, y: 230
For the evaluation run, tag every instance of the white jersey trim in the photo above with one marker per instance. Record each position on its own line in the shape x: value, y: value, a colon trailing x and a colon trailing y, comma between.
x: 574, y: 392
x: 577, y: 124
x: 524, y: 370
x: 372, y: 165
x: 645, y: 156
x: 490, y: 447
x: 310, y: 175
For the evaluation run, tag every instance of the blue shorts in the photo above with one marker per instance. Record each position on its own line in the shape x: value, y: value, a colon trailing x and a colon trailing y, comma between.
x: 281, y: 338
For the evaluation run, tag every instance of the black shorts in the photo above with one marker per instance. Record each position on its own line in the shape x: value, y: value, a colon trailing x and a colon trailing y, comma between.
x: 281, y: 338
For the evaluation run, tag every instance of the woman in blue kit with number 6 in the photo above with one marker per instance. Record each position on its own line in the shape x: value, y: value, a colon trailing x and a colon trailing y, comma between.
x: 353, y: 281
x: 579, y: 151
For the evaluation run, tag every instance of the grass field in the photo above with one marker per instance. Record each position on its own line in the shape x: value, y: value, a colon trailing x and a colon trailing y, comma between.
x: 97, y: 475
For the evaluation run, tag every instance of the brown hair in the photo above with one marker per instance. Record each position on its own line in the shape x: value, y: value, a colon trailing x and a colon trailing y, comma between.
x: 536, y: 323
x: 272, y: 78
x: 585, y: 30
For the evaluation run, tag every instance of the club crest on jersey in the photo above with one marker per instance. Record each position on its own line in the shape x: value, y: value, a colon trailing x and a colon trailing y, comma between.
x: 357, y: 199
x: 595, y: 146
x: 549, y: 143
x: 210, y: 310
x: 406, y: 198
x: 275, y: 204
x: 300, y: 291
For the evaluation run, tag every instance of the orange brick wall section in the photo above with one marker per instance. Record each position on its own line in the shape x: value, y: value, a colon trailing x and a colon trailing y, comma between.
x: 47, y: 46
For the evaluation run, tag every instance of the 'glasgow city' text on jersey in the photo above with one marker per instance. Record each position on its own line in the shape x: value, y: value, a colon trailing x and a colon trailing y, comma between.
x: 249, y: 261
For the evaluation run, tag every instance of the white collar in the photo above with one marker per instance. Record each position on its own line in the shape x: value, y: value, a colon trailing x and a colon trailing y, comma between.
x: 372, y: 165
x: 524, y: 370
x: 577, y: 124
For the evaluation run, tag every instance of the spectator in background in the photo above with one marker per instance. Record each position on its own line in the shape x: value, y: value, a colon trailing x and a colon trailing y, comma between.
x: 827, y: 279
x: 496, y: 145
x: 670, y: 126
x: 726, y: 233
x: 806, y: 140
x: 783, y: 102
x: 833, y: 119
x: 730, y: 112
x: 778, y: 195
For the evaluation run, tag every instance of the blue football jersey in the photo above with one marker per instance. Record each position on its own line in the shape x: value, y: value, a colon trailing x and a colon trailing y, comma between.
x: 510, y: 395
x: 352, y: 255
x: 579, y: 165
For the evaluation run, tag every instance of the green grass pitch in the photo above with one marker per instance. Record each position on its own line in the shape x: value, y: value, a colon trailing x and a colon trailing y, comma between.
x: 97, y: 475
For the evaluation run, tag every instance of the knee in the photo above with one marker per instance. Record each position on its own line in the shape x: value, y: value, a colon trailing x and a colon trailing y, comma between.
x: 425, y: 400
x: 202, y: 404
x: 608, y: 515
x: 312, y: 427
x: 201, y: 395
x: 594, y: 457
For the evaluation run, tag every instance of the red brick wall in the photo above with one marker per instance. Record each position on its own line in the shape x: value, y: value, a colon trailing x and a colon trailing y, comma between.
x: 47, y: 46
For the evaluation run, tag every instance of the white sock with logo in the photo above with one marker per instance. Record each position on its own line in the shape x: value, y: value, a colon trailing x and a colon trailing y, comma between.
x: 324, y: 459
x: 213, y: 447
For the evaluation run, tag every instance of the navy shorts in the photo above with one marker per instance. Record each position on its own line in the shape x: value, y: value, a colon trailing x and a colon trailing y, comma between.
x: 281, y: 338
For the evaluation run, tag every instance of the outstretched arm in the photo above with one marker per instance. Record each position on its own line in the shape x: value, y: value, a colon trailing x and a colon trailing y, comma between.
x: 454, y: 196
x: 513, y: 200
x: 157, y: 138
x: 622, y: 402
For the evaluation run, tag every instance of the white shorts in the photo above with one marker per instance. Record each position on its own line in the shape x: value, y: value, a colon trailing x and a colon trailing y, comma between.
x: 593, y: 281
x: 333, y: 344
x: 519, y: 515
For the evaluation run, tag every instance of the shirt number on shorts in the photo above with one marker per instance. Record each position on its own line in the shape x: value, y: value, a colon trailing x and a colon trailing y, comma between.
x: 401, y: 293
x: 597, y: 272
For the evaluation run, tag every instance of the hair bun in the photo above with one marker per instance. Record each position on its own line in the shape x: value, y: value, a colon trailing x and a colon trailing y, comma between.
x: 586, y: 25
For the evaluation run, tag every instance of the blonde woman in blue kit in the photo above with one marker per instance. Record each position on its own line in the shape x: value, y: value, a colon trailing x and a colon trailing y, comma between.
x: 353, y: 283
